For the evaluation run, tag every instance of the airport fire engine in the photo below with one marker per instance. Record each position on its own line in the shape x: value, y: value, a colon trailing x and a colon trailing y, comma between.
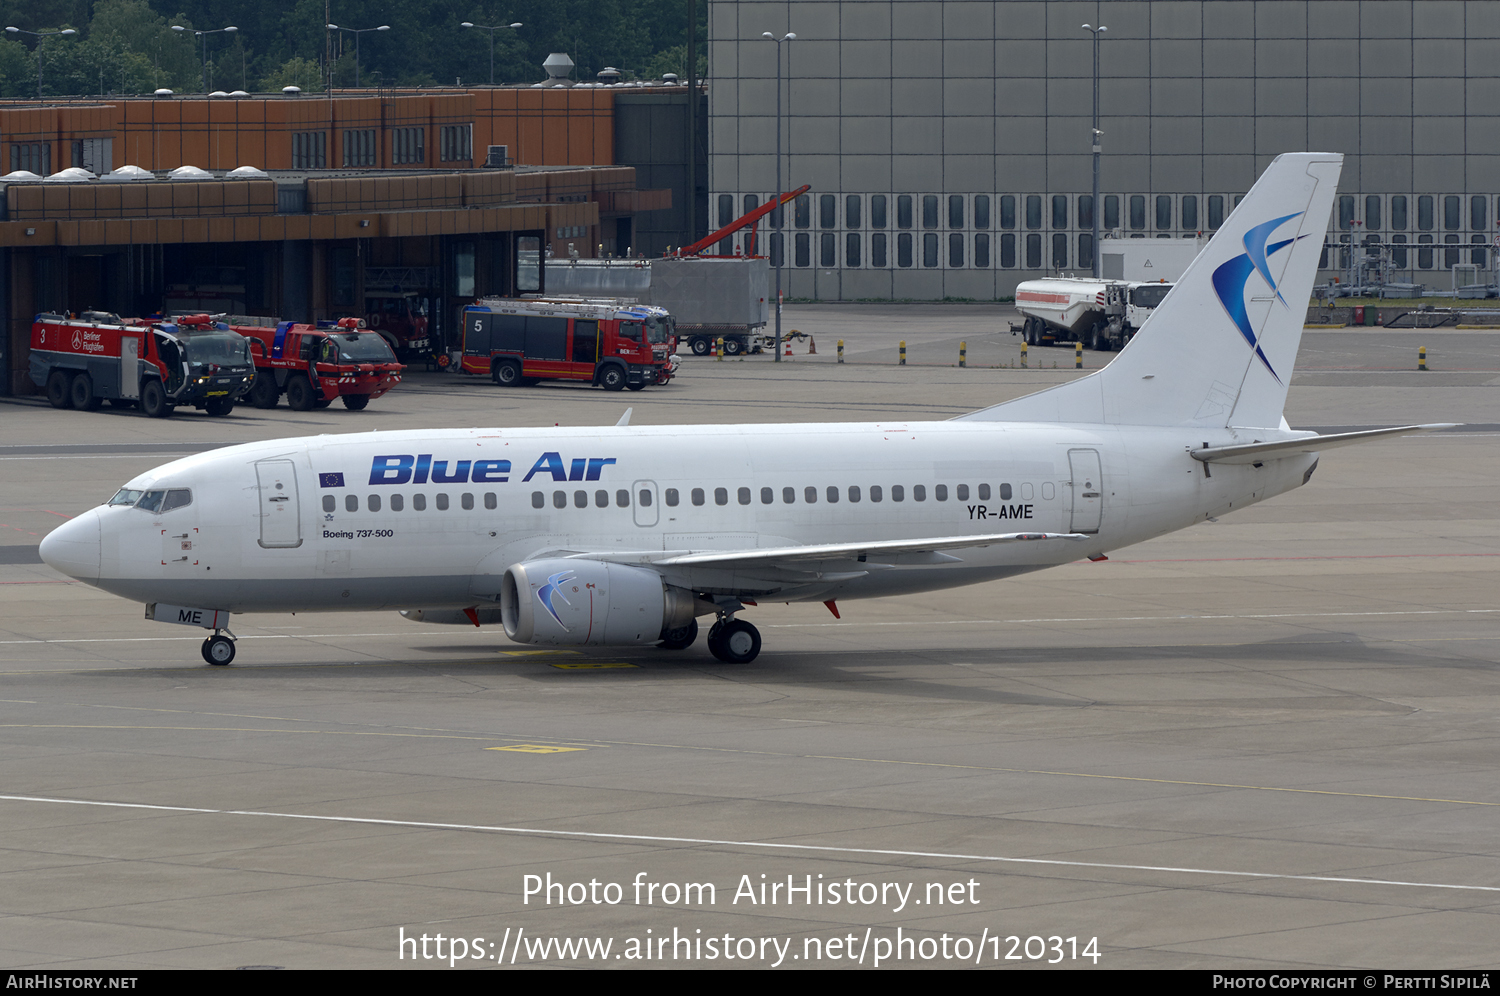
x: 191, y: 360
x: 614, y: 344
x: 314, y: 364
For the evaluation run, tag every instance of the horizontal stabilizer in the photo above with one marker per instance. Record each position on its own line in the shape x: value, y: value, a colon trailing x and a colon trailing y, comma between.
x: 1257, y: 452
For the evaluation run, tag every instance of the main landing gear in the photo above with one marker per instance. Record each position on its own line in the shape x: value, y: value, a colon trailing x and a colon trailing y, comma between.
x: 218, y: 649
x: 734, y: 641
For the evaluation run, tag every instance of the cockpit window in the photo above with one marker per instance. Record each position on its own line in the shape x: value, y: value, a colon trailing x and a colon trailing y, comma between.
x: 126, y: 497
x: 162, y: 500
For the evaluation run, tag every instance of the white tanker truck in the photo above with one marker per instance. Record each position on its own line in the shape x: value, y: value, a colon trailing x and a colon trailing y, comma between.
x: 1101, y: 314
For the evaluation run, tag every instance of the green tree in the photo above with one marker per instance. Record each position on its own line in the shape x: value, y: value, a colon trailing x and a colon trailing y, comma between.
x: 295, y: 71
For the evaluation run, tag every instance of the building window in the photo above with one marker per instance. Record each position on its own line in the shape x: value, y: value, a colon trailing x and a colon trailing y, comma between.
x: 1033, y: 252
x: 359, y: 147
x: 877, y: 249
x: 1059, y: 211
x: 903, y: 210
x: 33, y: 156
x: 851, y: 249
x: 1163, y: 212
x: 827, y: 211
x: 1086, y: 211
x: 1372, y: 211
x: 1478, y: 220
x: 1424, y: 249
x: 1137, y: 211
x: 1398, y: 251
x: 929, y: 211
x: 1007, y: 212
x: 1346, y: 212
x: 981, y: 210
x: 828, y: 247
x: 457, y: 143
x: 1085, y: 252
x: 930, y: 249
x: 726, y: 209
x: 1215, y: 211
x: 1398, y: 212
x: 1190, y: 212
x: 1451, y: 214
x: 802, y: 211
x: 409, y: 146
x: 803, y: 249
x: 1033, y: 211
x: 955, y: 210
x: 1112, y: 211
x: 877, y: 210
x: 1424, y: 213
x: 982, y: 250
x: 955, y: 249
x: 777, y: 248
x: 851, y: 211
x: 1059, y: 251
x: 1008, y: 251
x: 751, y: 202
x: 903, y: 249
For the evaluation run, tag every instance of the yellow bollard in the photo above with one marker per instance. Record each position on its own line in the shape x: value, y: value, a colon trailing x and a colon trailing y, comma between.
x: 1422, y: 358
x: 963, y: 354
x: 719, y: 346
x: 1023, y: 355
x: 841, y: 351
x: 1077, y: 356
x: 903, y: 353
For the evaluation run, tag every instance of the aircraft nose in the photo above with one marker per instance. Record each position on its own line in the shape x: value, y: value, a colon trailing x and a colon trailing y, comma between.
x: 73, y: 547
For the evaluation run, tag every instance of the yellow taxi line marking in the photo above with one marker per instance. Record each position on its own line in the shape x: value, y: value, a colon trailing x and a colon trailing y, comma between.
x: 537, y: 748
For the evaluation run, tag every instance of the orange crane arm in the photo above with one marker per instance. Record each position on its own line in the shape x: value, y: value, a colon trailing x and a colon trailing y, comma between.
x: 742, y: 222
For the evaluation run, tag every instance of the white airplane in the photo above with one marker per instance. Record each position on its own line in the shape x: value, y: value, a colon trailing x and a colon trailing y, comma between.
x: 627, y: 534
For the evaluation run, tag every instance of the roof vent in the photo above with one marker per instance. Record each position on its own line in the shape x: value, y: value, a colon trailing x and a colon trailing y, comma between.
x: 73, y: 174
x: 292, y: 91
x: 559, y: 67
x: 189, y: 173
x: 128, y: 173
x: 163, y: 92
x: 247, y: 173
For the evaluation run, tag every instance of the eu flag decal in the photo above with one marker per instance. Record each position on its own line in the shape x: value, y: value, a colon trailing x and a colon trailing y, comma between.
x: 330, y: 480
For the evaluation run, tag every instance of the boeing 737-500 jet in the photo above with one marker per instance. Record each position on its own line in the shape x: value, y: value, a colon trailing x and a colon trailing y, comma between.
x: 628, y: 534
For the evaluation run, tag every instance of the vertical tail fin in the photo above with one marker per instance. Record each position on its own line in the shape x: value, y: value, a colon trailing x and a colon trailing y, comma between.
x: 1219, y: 350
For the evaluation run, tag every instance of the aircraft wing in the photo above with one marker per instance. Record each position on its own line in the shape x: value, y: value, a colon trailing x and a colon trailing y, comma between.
x: 1256, y: 452
x: 773, y: 556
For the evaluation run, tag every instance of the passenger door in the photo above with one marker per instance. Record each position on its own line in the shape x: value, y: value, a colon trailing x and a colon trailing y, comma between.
x: 280, y: 505
x: 1088, y: 490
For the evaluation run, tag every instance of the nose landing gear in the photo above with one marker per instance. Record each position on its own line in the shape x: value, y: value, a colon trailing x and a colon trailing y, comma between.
x: 219, y: 649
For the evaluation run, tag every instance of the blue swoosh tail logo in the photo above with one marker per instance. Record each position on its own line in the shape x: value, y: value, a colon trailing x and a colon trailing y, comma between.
x: 1229, y: 279
x: 553, y: 588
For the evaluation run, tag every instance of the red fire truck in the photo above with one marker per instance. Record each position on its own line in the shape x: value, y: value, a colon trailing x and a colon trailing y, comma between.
x: 614, y: 344
x: 313, y: 364
x: 401, y: 321
x: 82, y: 362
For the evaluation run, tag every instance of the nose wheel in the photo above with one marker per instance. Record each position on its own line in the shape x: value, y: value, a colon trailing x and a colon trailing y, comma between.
x: 734, y: 641
x: 219, y: 649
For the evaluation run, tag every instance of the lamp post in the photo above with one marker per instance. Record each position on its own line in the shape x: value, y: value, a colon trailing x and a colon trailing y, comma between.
x: 356, y: 32
x: 778, y: 214
x: 204, y: 35
x: 1095, y: 135
x: 491, y: 29
x: 40, y: 37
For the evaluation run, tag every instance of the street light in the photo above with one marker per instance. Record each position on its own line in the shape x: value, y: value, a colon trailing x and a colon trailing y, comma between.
x: 204, y: 35
x: 1096, y: 135
x: 491, y: 29
x: 40, y: 37
x: 356, y: 32
x: 778, y: 215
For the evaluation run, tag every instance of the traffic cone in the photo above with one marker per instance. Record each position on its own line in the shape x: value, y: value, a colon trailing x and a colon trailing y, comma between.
x: 789, y: 347
x: 812, y: 346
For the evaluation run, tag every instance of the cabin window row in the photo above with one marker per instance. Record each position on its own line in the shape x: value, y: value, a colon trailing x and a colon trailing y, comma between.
x: 397, y: 502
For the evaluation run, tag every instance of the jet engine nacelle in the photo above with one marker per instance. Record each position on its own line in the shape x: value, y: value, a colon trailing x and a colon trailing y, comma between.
x: 590, y: 603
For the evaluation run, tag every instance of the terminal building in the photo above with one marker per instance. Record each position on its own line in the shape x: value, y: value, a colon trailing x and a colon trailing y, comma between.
x: 381, y: 205
x: 947, y: 141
